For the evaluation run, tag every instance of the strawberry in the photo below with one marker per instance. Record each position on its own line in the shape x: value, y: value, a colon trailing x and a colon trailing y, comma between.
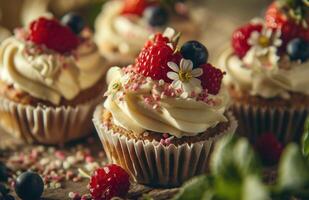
x: 153, y: 59
x: 211, y: 78
x: 276, y: 17
x: 136, y: 7
x: 53, y: 35
x: 240, y: 38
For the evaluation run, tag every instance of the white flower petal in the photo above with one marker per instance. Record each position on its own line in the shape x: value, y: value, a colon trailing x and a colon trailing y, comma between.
x: 186, y: 65
x: 186, y: 86
x: 277, y: 42
x: 173, y: 66
x: 177, y: 84
x: 172, y: 75
x: 268, y: 33
x: 197, y: 72
x: 195, y: 82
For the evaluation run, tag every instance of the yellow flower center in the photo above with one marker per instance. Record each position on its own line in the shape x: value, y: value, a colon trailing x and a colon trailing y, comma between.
x: 116, y: 86
x: 184, y: 76
x: 264, y: 41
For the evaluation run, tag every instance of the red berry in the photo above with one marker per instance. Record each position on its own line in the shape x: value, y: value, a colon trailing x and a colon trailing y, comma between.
x: 153, y: 59
x: 53, y: 35
x: 136, y: 7
x: 211, y: 78
x: 108, y: 182
x: 240, y: 38
x: 276, y: 18
x: 269, y: 148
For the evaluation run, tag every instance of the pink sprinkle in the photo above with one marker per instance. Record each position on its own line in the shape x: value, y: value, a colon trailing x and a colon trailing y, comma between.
x: 89, y: 159
x: 167, y: 142
x: 165, y: 135
x: 60, y: 155
x: 162, y: 141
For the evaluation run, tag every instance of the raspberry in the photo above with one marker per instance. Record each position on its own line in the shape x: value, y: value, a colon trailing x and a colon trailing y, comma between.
x: 53, y: 35
x: 108, y: 182
x: 136, y: 7
x: 211, y: 78
x: 240, y: 38
x: 153, y: 59
x: 275, y: 18
x: 269, y: 148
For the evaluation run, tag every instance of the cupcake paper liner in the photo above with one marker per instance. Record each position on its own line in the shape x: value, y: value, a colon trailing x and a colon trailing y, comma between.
x: 47, y: 125
x: 153, y: 163
x: 286, y: 123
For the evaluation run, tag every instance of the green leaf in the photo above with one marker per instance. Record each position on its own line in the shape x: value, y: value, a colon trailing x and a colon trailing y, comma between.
x: 293, y: 173
x: 195, y: 188
x: 234, y: 159
x: 253, y: 189
x: 305, y: 139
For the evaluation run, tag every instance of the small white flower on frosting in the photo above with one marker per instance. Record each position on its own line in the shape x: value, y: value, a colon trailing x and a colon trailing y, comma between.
x: 185, y: 77
x: 265, y: 41
x: 263, y: 51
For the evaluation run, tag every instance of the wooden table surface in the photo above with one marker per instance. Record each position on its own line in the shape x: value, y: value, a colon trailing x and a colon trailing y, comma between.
x: 222, y: 16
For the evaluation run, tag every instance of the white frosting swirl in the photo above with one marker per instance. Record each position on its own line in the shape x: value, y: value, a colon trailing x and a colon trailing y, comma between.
x: 174, y: 115
x: 49, y: 76
x: 267, y: 83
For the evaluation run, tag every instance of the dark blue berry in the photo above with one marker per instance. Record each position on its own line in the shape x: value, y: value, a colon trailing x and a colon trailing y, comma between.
x: 298, y: 49
x: 195, y: 51
x: 3, y: 173
x: 29, y: 186
x: 74, y: 21
x: 156, y: 15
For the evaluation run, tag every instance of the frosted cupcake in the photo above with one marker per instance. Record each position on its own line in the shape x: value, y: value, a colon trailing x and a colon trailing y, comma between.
x: 51, y: 78
x: 123, y: 26
x: 163, y: 114
x: 267, y: 70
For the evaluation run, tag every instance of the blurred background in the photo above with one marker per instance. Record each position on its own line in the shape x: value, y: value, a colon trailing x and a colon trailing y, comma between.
x: 221, y: 16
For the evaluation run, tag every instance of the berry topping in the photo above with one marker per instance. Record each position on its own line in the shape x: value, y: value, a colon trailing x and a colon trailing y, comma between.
x: 211, y: 78
x: 269, y: 148
x: 194, y: 51
x: 53, y: 35
x: 153, y: 59
x: 108, y: 182
x: 74, y: 21
x: 29, y: 186
x: 156, y: 15
x: 135, y: 7
x: 298, y: 49
x: 240, y: 38
x: 278, y: 16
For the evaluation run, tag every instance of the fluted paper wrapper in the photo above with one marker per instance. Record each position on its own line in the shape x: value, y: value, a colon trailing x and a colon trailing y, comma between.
x: 286, y: 123
x: 47, y: 125
x: 152, y: 163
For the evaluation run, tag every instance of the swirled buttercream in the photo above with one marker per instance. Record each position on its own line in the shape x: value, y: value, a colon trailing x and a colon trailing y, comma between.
x: 263, y: 81
x: 143, y: 105
x: 47, y: 75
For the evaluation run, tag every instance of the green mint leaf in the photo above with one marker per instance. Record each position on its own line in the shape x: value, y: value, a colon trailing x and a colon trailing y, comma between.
x: 195, y: 188
x: 253, y: 189
x: 305, y: 139
x: 293, y: 173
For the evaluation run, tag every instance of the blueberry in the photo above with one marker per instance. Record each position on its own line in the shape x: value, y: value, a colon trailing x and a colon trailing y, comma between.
x: 3, y: 173
x: 195, y: 51
x: 156, y: 15
x: 29, y: 186
x: 74, y: 21
x: 298, y: 49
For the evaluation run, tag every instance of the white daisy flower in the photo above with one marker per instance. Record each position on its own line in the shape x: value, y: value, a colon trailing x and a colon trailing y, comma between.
x: 263, y: 42
x: 185, y: 77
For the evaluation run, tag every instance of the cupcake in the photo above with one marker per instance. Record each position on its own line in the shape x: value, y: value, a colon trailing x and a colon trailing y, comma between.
x: 123, y: 26
x: 51, y: 79
x: 162, y: 115
x: 267, y: 68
